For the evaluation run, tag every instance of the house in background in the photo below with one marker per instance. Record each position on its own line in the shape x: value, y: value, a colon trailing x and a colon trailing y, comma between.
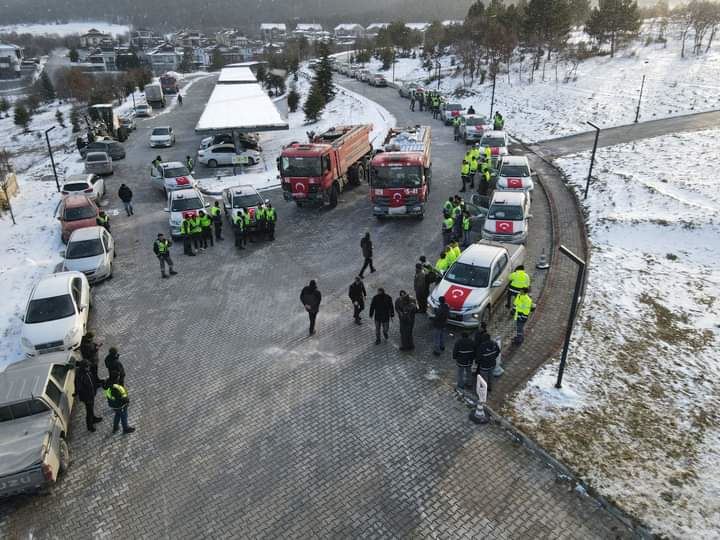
x: 373, y: 29
x: 11, y: 58
x: 349, y: 30
x: 144, y: 39
x: 93, y: 38
x: 452, y: 22
x: 418, y: 26
x: 164, y: 58
x: 273, y: 31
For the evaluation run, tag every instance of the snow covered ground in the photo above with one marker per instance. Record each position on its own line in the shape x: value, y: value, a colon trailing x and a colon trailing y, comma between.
x: 638, y: 413
x: 605, y: 90
x: 347, y: 108
x: 65, y: 29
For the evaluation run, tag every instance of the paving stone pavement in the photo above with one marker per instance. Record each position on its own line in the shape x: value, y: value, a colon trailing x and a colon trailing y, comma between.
x: 249, y: 428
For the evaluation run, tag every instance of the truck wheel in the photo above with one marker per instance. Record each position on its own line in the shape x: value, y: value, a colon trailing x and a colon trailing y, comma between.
x: 334, y: 193
x: 212, y: 163
x: 63, y: 456
x: 359, y: 175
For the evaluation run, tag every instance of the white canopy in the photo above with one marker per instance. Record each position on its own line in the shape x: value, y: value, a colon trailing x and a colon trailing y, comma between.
x: 236, y: 75
x: 240, y: 107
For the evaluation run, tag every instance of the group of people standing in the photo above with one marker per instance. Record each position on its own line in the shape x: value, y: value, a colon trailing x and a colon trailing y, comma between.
x: 426, y: 99
x: 477, y: 163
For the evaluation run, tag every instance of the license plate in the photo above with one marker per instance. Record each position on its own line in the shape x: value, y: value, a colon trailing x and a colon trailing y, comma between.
x: 398, y: 210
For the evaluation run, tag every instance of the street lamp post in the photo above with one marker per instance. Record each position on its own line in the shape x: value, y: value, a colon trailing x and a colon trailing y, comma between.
x: 492, y: 99
x: 573, y: 309
x: 52, y: 160
x: 133, y: 97
x: 637, y: 112
x: 438, y: 74
x: 393, y: 62
x: 592, y: 158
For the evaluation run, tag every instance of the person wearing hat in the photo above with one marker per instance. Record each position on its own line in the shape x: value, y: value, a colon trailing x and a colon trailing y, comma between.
x: 116, y: 371
x: 118, y: 401
x: 161, y: 248
x: 310, y: 297
x: 85, y: 390
x: 270, y: 219
x: 406, y: 307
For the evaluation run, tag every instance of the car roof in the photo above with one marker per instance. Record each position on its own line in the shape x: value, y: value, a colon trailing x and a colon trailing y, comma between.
x: 243, y: 189
x: 494, y: 134
x: 161, y: 127
x: 96, y: 154
x: 184, y: 193
x: 514, y: 160
x: 53, y: 285
x: 478, y: 255
x: 508, y: 197
x: 86, y: 233
x: 172, y: 164
x: 76, y: 201
x: 75, y: 178
x: 479, y: 116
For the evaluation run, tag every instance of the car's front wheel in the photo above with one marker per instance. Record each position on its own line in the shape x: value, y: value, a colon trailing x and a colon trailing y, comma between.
x: 212, y: 163
x: 63, y: 456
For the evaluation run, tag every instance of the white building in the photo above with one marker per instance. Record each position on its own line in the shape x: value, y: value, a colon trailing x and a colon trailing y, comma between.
x: 418, y: 26
x: 10, y: 61
x: 373, y: 29
x: 349, y: 30
x: 273, y: 31
x: 165, y: 58
x: 93, y: 38
x: 309, y: 27
x: 451, y: 22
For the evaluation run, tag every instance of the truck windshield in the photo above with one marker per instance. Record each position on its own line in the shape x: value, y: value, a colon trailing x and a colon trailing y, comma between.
x: 505, y: 211
x: 514, y: 170
x: 301, y: 166
x: 468, y: 275
x: 21, y: 410
x: 396, y: 177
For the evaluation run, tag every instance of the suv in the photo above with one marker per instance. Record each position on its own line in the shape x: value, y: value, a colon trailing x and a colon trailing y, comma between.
x: 378, y: 80
x: 448, y: 111
x: 90, y: 185
x: 76, y: 212
x: 497, y: 141
x: 111, y: 147
x: 181, y: 203
x: 508, y: 217
x: 171, y: 176
x: 514, y: 173
x: 162, y: 136
x: 472, y: 127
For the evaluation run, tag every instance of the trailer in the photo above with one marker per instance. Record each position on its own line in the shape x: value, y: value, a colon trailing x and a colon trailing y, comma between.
x: 154, y: 95
x: 401, y: 173
x: 317, y: 172
x: 105, y: 123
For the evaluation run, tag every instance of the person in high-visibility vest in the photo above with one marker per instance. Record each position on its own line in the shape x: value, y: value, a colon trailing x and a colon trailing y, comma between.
x: 161, y: 248
x: 260, y: 221
x: 466, y: 224
x: 473, y: 170
x: 186, y: 230
x: 238, y: 229
x: 103, y: 220
x: 519, y: 280
x: 464, y: 174
x: 447, y: 230
x: 498, y: 122
x: 196, y: 230
x: 488, y: 154
x: 456, y: 127
x: 205, y: 229
x: 448, y: 207
x: 270, y: 219
x: 442, y: 263
x: 455, y: 247
x: 485, y: 179
x: 216, y: 217
x: 523, y: 306
x: 117, y: 398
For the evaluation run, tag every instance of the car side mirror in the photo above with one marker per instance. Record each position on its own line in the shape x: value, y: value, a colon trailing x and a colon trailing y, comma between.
x: 497, y: 283
x: 166, y: 209
x: 529, y: 216
x: 62, y: 254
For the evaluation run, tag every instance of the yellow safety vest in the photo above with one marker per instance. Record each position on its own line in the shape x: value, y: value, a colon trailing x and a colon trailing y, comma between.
x: 442, y: 264
x: 466, y: 223
x: 456, y: 252
x: 465, y: 168
x: 163, y: 246
x: 519, y: 279
x: 523, y: 305
x: 473, y: 164
x: 448, y: 224
x: 215, y: 211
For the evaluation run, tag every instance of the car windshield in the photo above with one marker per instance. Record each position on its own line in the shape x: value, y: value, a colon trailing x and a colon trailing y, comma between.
x: 22, y: 409
x: 301, y: 166
x: 79, y: 212
x: 161, y: 131
x: 453, y: 107
x: 514, y: 170
x: 245, y: 201
x: 505, y: 211
x: 50, y: 309
x: 175, y: 172
x: 468, y: 275
x: 79, y: 186
x: 84, y: 248
x: 180, y: 205
x: 493, y: 142
x: 396, y: 177
x: 97, y: 157
x: 475, y: 121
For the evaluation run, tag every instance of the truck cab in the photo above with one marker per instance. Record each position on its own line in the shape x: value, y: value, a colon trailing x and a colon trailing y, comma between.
x: 36, y: 401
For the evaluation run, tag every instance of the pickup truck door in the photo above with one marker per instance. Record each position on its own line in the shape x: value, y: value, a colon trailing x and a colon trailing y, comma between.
x: 499, y: 273
x: 59, y: 402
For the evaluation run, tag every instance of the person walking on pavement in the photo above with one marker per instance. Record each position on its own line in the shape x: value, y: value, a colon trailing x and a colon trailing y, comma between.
x: 311, y: 297
x: 357, y: 294
x: 412, y: 101
x: 486, y: 353
x: 85, y: 390
x: 381, y: 308
x: 519, y: 280
x: 239, y: 229
x: 189, y: 164
x: 186, y: 230
x: 116, y: 371
x: 270, y: 219
x: 464, y: 355
x: 125, y: 195
x: 406, y: 307
x: 180, y: 98
x: 442, y: 313
x: 161, y: 248
x: 523, y: 306
x: 205, y: 229
x: 421, y: 287
x: 367, y: 251
x: 216, y: 216
x: 118, y: 401
x: 103, y: 220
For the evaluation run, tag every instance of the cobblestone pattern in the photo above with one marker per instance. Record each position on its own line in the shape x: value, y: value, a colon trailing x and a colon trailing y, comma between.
x: 248, y: 428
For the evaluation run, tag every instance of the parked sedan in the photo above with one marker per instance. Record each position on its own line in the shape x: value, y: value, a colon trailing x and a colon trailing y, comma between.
x: 162, y: 137
x: 91, y: 251
x: 90, y: 185
x: 248, y: 141
x: 76, y: 212
x: 472, y: 127
x: 143, y: 110
x: 56, y: 315
x: 378, y: 80
x: 128, y: 122
x: 98, y: 163
x: 111, y: 147
x: 225, y: 154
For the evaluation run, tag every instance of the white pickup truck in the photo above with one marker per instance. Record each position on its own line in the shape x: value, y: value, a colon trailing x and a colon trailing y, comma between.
x: 476, y: 281
x: 36, y: 400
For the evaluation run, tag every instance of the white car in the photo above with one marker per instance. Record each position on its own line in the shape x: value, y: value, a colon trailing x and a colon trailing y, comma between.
x: 143, y: 110
x: 508, y: 217
x: 172, y: 175
x: 473, y: 127
x: 90, y: 250
x: 249, y: 141
x: 225, y: 154
x: 497, y: 141
x: 88, y: 184
x: 56, y: 315
x: 514, y: 173
x: 183, y: 202
x: 162, y: 136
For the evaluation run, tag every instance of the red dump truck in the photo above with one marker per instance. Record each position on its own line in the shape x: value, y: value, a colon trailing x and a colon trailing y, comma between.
x: 400, y: 173
x: 317, y: 172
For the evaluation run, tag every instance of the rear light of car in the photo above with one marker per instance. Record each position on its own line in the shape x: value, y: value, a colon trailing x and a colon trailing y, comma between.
x: 47, y: 472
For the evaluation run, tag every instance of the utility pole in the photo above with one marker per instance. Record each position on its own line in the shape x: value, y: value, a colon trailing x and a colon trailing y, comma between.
x: 52, y: 160
x: 492, y: 99
x: 637, y: 112
x: 573, y: 308
x: 592, y: 158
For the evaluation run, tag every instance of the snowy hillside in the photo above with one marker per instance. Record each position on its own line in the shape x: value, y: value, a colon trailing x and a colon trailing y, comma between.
x: 65, y: 29
x: 638, y: 414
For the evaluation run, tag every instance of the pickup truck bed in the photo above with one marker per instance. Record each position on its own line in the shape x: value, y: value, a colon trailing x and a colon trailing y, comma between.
x: 22, y: 443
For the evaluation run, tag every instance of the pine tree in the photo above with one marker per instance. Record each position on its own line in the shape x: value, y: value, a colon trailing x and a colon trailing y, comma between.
x: 75, y: 119
x: 4, y: 105
x: 22, y: 116
x: 217, y: 61
x: 314, y: 104
x: 324, y: 74
x: 46, y: 88
x: 73, y: 55
x: 60, y: 118
x: 613, y: 19
x: 293, y: 100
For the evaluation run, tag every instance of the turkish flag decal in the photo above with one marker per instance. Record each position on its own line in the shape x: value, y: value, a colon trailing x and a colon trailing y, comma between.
x: 495, y: 151
x: 514, y: 183
x: 455, y: 296
x: 504, y: 227
x: 182, y: 181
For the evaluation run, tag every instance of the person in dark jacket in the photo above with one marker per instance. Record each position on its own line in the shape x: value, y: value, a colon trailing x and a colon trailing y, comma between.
x: 464, y: 355
x: 442, y: 313
x: 406, y: 307
x: 89, y: 349
x: 125, y: 194
x: 116, y: 371
x: 311, y: 297
x: 118, y: 401
x: 486, y: 353
x: 422, y: 288
x: 367, y: 251
x: 85, y: 389
x: 357, y: 294
x: 381, y: 308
